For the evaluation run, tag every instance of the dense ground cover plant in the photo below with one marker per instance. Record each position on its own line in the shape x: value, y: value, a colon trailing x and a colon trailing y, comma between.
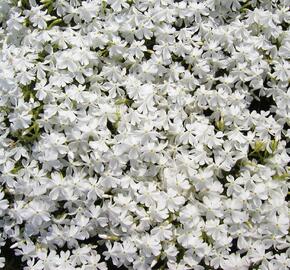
x: 144, y: 134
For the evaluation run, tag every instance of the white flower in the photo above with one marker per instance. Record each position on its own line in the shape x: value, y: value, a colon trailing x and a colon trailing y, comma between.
x: 21, y: 117
x: 234, y: 261
x: 136, y: 50
x: 36, y: 212
x: 150, y: 245
x: 2, y: 262
x: 54, y: 146
x: 3, y: 203
x: 94, y: 262
x: 282, y: 71
x: 38, y: 17
x: 60, y: 188
x: 174, y: 202
x: 162, y: 232
x: 118, y: 5
x: 213, y: 207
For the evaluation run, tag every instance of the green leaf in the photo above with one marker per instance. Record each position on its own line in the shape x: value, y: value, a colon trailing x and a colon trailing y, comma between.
x: 55, y: 22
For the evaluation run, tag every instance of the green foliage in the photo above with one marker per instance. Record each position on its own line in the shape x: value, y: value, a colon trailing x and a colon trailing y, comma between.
x: 282, y: 177
x: 48, y: 4
x: 181, y: 252
x: 260, y: 153
x: 55, y: 22
x: 33, y: 132
x: 125, y: 101
x: 28, y: 91
x: 17, y: 167
x: 206, y: 238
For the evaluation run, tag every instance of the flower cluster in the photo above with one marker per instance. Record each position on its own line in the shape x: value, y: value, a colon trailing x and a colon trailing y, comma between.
x: 145, y: 134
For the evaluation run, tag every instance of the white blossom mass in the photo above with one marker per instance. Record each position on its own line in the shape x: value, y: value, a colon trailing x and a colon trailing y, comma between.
x: 144, y: 134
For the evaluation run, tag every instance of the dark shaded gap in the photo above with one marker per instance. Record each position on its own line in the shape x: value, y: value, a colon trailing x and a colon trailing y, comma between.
x: 264, y: 104
x: 207, y: 112
x: 112, y: 127
x: 234, y: 247
x: 12, y: 262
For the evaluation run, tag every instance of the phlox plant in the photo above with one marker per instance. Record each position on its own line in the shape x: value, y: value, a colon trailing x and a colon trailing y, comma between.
x: 144, y: 134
